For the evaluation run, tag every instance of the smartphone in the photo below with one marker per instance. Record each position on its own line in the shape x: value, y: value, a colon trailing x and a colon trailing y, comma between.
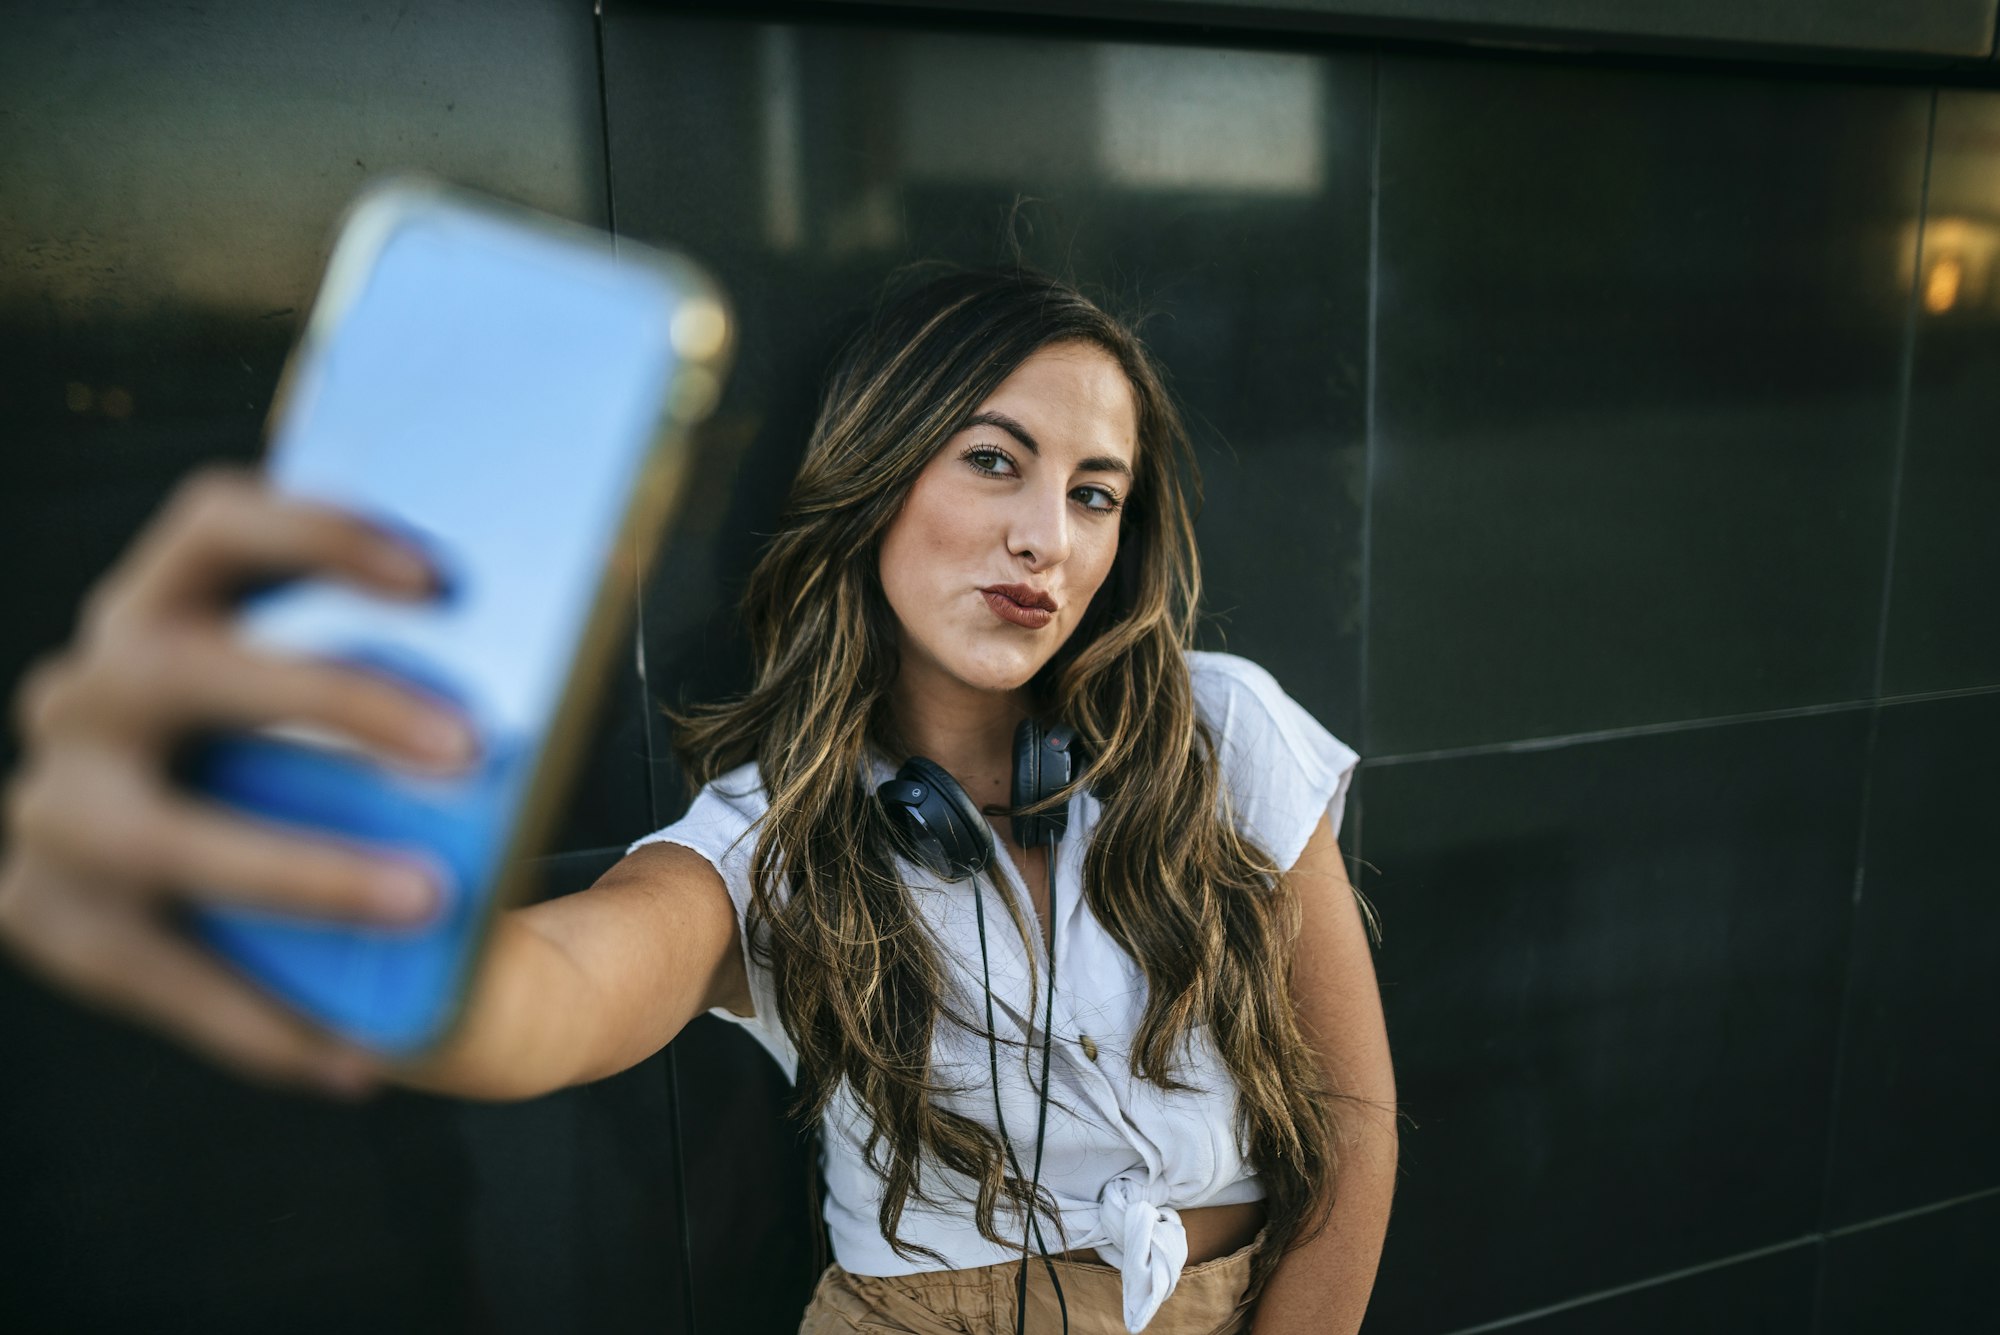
x: 514, y: 394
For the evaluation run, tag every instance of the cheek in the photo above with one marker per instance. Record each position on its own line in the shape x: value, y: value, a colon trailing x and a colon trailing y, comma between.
x: 912, y: 543
x: 1101, y: 554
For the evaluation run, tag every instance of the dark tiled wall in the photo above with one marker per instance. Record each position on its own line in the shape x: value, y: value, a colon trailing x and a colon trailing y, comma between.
x: 1587, y: 445
x: 169, y: 177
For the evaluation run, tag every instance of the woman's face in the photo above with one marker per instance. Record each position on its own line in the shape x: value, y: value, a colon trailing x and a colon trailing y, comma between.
x: 1013, y: 524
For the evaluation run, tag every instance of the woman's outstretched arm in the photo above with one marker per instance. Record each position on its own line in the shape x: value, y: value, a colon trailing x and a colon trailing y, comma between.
x: 1322, y: 1286
x: 579, y: 988
x: 101, y: 848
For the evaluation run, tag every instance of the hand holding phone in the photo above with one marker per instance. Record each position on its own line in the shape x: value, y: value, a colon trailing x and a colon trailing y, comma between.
x: 103, y: 852
x: 508, y: 394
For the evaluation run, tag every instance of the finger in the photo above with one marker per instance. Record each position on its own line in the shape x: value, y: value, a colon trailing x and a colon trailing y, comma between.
x: 154, y: 684
x: 225, y: 858
x: 132, y: 965
x: 94, y: 810
x: 224, y: 528
x: 37, y: 692
x: 214, y: 681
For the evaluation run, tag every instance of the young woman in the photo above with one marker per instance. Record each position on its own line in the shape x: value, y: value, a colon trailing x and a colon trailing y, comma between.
x: 990, y: 526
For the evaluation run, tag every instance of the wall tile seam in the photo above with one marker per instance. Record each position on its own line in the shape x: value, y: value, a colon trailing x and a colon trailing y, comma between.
x: 604, y: 119
x: 1563, y: 741
x: 1905, y: 388
x: 1844, y: 1013
x: 1368, y: 420
x: 1813, y: 1239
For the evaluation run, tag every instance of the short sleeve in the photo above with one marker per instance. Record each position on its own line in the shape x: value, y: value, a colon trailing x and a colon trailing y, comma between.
x: 1283, y: 771
x: 721, y: 825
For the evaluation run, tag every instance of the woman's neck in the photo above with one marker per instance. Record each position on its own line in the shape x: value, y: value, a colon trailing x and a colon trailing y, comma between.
x: 970, y: 732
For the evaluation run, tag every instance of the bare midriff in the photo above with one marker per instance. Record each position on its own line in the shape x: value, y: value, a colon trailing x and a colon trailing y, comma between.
x: 1212, y: 1231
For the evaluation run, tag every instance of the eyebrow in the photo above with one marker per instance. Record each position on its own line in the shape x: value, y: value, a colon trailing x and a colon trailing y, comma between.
x: 1096, y: 463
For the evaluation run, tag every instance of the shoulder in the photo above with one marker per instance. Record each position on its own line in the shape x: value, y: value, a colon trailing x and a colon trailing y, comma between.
x: 1224, y: 683
x: 1281, y: 769
x: 1244, y: 705
x: 726, y: 809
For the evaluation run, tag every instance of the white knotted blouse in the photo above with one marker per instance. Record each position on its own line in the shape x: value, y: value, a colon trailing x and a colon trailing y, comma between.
x: 1122, y: 1157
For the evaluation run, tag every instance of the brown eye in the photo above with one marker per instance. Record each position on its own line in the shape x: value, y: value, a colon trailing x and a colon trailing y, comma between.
x: 990, y: 461
x: 1099, y: 500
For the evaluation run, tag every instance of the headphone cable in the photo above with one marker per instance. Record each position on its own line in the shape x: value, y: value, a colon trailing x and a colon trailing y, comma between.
x: 1042, y: 1123
x: 1000, y: 1118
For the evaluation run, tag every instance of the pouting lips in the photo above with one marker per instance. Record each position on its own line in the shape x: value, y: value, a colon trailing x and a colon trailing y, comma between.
x: 1007, y: 609
x: 1025, y: 595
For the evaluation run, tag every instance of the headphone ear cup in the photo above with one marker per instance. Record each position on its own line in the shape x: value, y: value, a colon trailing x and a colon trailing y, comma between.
x: 1027, y: 782
x: 936, y: 820
x: 1044, y: 764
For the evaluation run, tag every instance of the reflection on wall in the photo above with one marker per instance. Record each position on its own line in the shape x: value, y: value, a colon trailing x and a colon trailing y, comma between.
x: 1961, y: 232
x: 1206, y: 120
x: 973, y: 112
x: 1148, y: 116
x: 782, y: 114
x: 1958, y: 266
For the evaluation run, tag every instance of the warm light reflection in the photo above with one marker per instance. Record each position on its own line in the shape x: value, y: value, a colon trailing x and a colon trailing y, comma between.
x: 1960, y: 256
x: 1941, y: 285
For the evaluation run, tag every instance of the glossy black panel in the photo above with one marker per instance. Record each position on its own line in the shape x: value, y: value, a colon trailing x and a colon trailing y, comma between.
x: 1911, y: 28
x: 1636, y: 401
x: 171, y: 175
x: 1224, y: 193
x: 1920, y: 1070
x: 757, y: 1252
x: 146, y: 1190
x: 1932, y: 1272
x: 577, y: 1227
x: 1947, y: 546
x: 1766, y: 1295
x: 1612, y: 976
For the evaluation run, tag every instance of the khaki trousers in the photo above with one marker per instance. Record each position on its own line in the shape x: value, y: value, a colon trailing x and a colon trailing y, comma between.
x: 1208, y: 1300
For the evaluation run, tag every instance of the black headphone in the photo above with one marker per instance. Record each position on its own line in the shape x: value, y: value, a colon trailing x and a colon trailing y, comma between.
x: 941, y: 828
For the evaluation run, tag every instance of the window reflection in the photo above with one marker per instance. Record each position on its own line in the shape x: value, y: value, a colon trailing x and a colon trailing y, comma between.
x: 1181, y: 119
x: 1152, y: 117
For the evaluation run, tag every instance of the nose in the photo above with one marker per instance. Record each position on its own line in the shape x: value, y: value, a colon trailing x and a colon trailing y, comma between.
x: 1039, y: 531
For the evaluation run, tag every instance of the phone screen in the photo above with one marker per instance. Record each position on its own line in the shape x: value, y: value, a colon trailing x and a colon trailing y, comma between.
x: 493, y: 390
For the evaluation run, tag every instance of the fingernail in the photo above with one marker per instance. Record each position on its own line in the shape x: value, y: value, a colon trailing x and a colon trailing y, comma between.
x: 414, y: 556
x: 404, y: 893
x: 448, y: 741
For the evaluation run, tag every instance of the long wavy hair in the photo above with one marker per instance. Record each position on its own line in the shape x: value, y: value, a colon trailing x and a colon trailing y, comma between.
x: 860, y: 986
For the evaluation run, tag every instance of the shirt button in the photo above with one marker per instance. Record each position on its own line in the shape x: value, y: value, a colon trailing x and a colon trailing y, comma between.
x: 1089, y: 1048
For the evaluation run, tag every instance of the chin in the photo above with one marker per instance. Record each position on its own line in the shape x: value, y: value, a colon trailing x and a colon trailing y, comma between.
x: 997, y: 671
x: 998, y: 677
